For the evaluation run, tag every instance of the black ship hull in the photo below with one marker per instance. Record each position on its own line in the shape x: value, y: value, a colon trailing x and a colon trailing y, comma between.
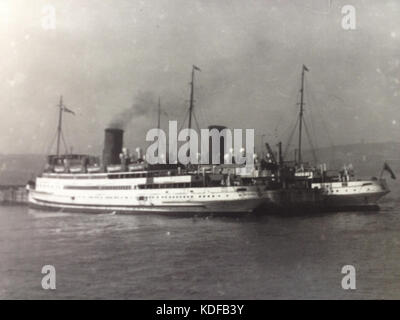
x: 308, y: 200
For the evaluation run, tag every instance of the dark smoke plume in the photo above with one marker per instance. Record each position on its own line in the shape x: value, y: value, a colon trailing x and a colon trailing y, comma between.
x: 144, y: 105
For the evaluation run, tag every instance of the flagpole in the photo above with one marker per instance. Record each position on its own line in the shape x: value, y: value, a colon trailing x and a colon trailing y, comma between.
x: 158, y: 125
x: 191, y: 100
x: 301, y: 111
x: 194, y: 68
x: 159, y: 114
x: 59, y: 128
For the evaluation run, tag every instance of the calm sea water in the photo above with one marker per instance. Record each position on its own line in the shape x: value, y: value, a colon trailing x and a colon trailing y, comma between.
x: 155, y: 257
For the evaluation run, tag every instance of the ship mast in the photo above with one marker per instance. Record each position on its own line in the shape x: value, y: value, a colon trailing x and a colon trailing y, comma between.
x: 159, y: 114
x: 62, y: 108
x: 59, y: 127
x: 301, y: 112
x: 191, y: 105
x: 158, y: 123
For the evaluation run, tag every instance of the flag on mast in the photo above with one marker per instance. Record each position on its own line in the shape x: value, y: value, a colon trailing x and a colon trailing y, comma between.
x: 68, y: 110
x: 196, y: 68
x: 388, y: 169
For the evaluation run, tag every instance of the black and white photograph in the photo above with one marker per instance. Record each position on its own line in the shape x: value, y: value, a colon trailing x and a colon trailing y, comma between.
x: 217, y: 151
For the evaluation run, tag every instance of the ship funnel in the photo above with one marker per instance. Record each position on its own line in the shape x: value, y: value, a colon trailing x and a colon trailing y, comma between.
x: 113, y: 139
x: 139, y: 153
x: 217, y: 153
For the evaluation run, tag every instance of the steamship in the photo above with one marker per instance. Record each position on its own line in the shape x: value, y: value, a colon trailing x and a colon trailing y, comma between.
x: 75, y: 182
x: 122, y: 183
x: 304, y: 186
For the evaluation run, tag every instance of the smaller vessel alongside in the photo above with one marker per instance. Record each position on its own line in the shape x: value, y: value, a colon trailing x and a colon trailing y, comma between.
x: 315, y: 190
x: 307, y: 187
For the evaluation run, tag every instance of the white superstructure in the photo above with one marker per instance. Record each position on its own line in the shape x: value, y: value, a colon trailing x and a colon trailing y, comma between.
x: 144, y: 191
x: 352, y: 193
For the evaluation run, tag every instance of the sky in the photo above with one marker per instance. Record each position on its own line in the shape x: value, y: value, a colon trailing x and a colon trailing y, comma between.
x: 107, y: 57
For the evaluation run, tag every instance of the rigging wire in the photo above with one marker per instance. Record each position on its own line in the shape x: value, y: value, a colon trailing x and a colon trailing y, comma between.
x: 66, y: 130
x: 288, y: 132
x: 313, y: 144
x: 195, y: 120
x: 65, y: 144
x: 310, y: 142
x: 291, y: 94
x: 203, y: 115
x: 50, y: 146
x: 323, y: 120
x: 292, y: 126
x: 290, y: 138
x: 326, y: 125
x: 184, y: 120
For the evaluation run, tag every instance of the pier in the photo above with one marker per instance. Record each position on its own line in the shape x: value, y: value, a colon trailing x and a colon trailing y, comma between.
x: 13, y: 194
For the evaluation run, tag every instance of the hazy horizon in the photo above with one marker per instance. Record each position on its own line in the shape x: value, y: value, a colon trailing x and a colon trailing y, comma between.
x: 105, y: 57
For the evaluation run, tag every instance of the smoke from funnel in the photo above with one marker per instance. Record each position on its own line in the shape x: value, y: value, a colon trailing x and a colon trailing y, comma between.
x: 144, y: 104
